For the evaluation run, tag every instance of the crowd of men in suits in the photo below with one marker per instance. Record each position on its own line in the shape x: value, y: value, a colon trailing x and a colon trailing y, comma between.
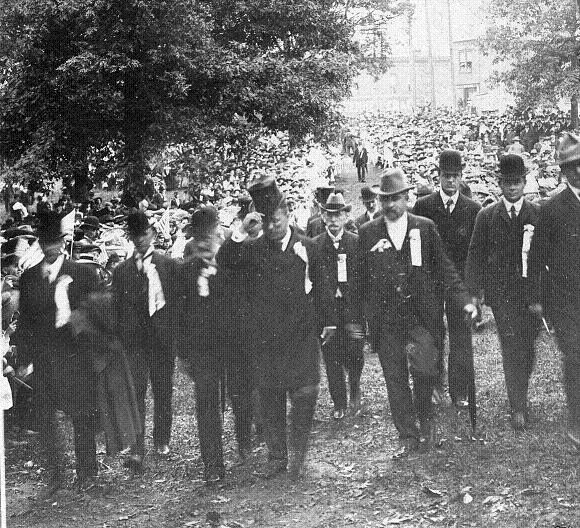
x: 261, y: 305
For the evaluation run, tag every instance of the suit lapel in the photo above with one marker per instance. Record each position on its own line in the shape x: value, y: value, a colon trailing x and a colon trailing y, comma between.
x: 525, y: 216
x: 503, y: 212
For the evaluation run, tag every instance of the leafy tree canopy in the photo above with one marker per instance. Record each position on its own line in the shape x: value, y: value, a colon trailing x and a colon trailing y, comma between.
x: 78, y: 76
x: 536, y: 40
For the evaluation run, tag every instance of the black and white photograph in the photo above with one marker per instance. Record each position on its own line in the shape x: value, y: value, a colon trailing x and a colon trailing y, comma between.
x: 290, y: 263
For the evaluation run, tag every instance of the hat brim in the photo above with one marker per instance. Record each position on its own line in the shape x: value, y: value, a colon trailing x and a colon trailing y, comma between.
x: 377, y: 190
x: 346, y: 208
x: 512, y: 175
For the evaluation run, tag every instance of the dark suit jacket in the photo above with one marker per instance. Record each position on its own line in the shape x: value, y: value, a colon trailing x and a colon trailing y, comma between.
x: 455, y: 229
x: 282, y: 319
x: 382, y: 288
x: 134, y: 323
x: 494, y: 263
x: 204, y: 323
x: 555, y: 256
x: 363, y: 219
x: 64, y: 371
x: 363, y: 158
x: 325, y: 273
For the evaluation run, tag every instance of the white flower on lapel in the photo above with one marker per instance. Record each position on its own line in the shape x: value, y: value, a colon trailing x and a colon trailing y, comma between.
x: 300, y: 250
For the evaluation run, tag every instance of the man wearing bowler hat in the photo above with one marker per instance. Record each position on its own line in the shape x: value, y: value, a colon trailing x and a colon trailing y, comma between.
x: 404, y: 273
x: 145, y: 293
x: 454, y: 215
x: 369, y: 200
x: 49, y: 292
x: 497, y: 266
x: 315, y: 224
x: 273, y: 273
x: 340, y: 311
x: 555, y: 258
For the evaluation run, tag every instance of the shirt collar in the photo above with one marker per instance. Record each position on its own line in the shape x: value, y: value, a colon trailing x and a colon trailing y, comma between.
x: 336, y: 238
x: 52, y: 270
x: 286, y: 239
x: 400, y: 224
x: 575, y: 190
x: 446, y: 197
x: 518, y: 204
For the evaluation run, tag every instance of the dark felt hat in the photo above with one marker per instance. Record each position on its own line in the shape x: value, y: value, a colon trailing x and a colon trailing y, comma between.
x: 393, y: 182
x: 450, y: 161
x: 569, y: 149
x: 49, y: 227
x: 366, y: 194
x: 511, y: 167
x: 91, y: 222
x: 336, y: 204
x: 322, y: 193
x: 203, y: 221
x: 266, y: 195
x: 137, y: 224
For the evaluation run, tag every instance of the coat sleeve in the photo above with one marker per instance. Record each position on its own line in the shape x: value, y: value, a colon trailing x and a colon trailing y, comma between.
x: 447, y: 271
x: 477, y: 255
x: 538, y: 255
x: 23, y: 337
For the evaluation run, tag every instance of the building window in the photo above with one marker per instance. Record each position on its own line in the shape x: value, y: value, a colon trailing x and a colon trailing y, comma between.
x: 465, y: 61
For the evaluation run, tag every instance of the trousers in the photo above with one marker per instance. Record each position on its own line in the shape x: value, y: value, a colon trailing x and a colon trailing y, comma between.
x: 406, y: 405
x: 156, y: 365
x: 517, y: 329
x: 342, y: 353
x: 240, y: 383
x: 460, y: 361
x: 302, y: 405
x: 209, y: 421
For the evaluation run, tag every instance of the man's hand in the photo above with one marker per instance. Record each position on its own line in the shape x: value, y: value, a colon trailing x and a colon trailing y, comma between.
x: 327, y: 333
x: 537, y: 310
x: 355, y: 331
x: 470, y: 310
x: 250, y: 221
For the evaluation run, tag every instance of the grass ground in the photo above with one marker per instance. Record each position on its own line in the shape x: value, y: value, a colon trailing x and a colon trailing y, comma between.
x: 498, y: 479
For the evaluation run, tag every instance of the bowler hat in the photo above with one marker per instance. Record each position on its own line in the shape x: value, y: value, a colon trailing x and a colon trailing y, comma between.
x: 366, y: 194
x: 511, y: 167
x: 49, y: 228
x: 203, y: 221
x: 393, y: 182
x: 137, y: 224
x: 266, y: 195
x: 450, y: 161
x: 336, y: 204
x: 569, y: 149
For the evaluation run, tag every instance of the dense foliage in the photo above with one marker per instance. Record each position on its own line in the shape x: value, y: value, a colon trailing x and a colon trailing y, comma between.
x: 92, y: 86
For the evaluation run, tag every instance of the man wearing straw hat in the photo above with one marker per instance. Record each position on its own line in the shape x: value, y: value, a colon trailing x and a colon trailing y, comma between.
x: 404, y: 273
x: 555, y: 258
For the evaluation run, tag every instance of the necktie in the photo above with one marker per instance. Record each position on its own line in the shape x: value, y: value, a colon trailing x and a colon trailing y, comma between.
x: 513, y: 214
x: 449, y: 205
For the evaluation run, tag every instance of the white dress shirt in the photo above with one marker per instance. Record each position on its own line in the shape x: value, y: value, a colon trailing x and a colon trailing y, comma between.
x: 335, y: 239
x: 398, y: 230
x: 517, y: 205
x: 446, y: 198
x: 286, y: 239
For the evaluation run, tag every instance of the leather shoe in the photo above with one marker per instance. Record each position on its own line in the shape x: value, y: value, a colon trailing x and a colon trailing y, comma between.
x: 163, y: 450
x: 407, y: 447
x: 273, y: 468
x: 427, y: 434
x: 518, y: 421
x: 134, y: 463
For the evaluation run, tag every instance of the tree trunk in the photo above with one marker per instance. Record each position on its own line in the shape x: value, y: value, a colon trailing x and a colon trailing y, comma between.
x: 574, y: 112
